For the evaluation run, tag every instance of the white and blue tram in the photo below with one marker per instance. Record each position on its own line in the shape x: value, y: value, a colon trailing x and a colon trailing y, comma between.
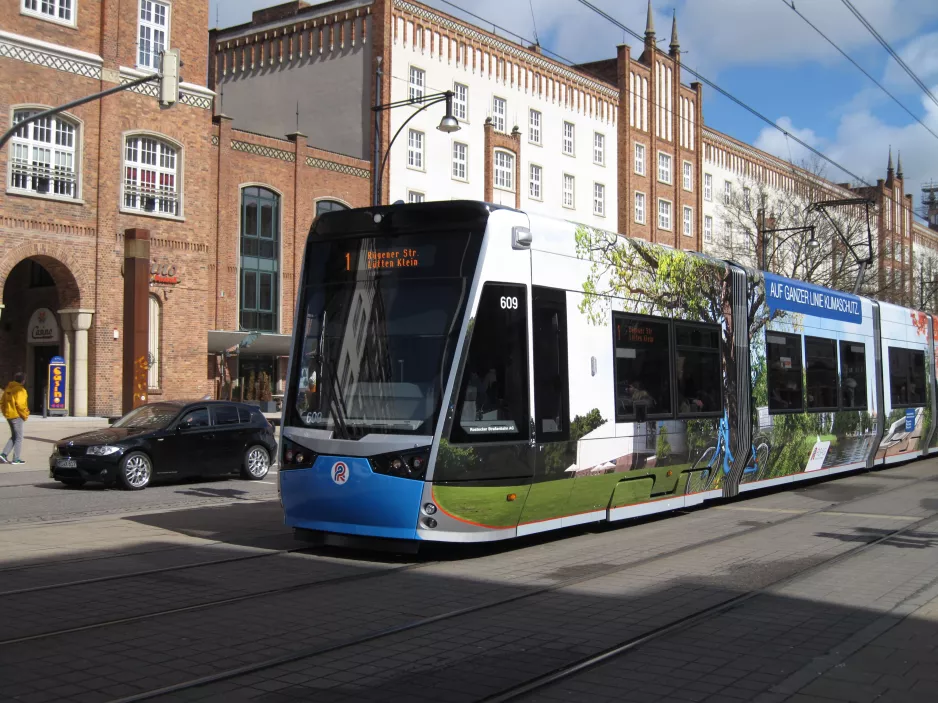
x: 463, y: 372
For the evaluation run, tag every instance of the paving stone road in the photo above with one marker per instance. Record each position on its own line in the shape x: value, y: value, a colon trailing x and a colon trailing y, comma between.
x: 826, y: 593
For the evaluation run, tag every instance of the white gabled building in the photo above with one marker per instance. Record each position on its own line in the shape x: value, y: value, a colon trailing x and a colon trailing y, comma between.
x: 535, y: 134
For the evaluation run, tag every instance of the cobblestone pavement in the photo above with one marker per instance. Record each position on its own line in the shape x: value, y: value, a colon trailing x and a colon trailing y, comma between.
x: 825, y: 593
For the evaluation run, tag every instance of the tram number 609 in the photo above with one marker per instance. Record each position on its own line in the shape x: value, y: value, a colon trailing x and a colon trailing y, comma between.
x: 509, y: 303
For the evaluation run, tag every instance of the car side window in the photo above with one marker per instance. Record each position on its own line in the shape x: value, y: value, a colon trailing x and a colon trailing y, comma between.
x: 245, y: 415
x: 225, y: 415
x: 195, y: 418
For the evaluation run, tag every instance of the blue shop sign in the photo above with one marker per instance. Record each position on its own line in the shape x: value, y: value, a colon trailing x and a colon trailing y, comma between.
x: 909, y: 419
x: 808, y: 299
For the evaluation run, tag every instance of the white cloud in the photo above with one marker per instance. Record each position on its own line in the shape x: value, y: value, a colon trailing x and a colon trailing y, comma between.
x: 861, y: 143
x: 775, y: 142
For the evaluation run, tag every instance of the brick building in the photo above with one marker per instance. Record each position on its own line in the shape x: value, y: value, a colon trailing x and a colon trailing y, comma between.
x: 74, y: 183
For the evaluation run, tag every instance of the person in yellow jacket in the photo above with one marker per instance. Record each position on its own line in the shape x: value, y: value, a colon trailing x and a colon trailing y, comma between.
x: 16, y: 411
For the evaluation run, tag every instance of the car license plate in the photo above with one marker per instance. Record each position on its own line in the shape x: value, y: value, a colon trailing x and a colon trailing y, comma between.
x: 66, y: 464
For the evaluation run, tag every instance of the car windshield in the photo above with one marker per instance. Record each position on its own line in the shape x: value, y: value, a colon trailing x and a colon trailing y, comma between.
x: 379, y: 327
x: 149, y: 416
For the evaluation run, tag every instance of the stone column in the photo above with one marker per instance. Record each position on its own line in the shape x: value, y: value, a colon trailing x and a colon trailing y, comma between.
x: 80, y: 323
x: 65, y: 322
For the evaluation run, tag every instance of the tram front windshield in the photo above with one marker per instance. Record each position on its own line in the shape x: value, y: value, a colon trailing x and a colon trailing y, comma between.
x: 378, y: 328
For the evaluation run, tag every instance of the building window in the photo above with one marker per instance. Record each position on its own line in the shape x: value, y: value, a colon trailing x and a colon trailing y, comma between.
x: 568, y: 188
x: 415, y: 150
x: 664, y: 168
x: 599, y: 149
x: 43, y: 156
x: 688, y: 175
x: 708, y: 187
x: 153, y: 34
x: 415, y: 197
x: 599, y: 199
x: 664, y: 214
x: 417, y: 87
x: 727, y: 192
x: 535, y: 185
x: 568, y: 138
x: 153, y: 346
x: 499, y: 111
x: 746, y: 199
x: 461, y: 102
x: 688, y: 221
x: 640, y: 208
x: 640, y: 159
x: 708, y: 229
x: 260, y: 260
x: 534, y: 127
x: 504, y: 170
x: 323, y: 206
x: 460, y: 161
x: 151, y: 176
x: 56, y: 10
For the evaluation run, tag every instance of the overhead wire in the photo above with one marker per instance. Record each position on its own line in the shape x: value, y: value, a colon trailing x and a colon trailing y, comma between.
x: 748, y: 108
x: 791, y: 5
x: 892, y: 52
x: 684, y: 67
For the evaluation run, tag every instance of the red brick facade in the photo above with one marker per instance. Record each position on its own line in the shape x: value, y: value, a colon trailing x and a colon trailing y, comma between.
x: 79, y: 240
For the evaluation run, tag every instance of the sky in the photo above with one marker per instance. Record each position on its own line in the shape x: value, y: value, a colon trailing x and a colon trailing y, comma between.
x: 763, y: 53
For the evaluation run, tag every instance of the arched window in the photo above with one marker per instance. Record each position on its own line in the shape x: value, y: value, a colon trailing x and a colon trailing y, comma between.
x: 329, y: 206
x: 153, y: 345
x: 260, y: 260
x: 43, y: 156
x: 151, y: 175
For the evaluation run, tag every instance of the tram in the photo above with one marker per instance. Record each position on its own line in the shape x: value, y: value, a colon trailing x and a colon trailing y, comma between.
x: 465, y: 372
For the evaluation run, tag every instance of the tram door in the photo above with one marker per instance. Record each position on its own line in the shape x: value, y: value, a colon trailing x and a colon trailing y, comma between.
x: 554, y: 450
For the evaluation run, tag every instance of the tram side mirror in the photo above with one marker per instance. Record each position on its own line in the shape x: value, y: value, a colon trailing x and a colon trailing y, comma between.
x: 521, y: 238
x: 592, y: 366
x: 641, y: 412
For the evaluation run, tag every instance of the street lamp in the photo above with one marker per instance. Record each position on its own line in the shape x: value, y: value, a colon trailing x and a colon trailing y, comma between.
x: 448, y: 124
x: 813, y: 244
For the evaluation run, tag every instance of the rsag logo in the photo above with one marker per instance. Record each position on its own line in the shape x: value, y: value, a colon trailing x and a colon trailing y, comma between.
x: 339, y: 472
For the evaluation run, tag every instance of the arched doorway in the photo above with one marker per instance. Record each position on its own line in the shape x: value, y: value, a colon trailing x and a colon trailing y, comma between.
x: 41, y: 309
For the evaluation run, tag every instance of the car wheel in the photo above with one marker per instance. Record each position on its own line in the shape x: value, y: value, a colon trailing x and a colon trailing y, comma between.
x: 256, y: 463
x: 135, y: 473
x: 72, y: 482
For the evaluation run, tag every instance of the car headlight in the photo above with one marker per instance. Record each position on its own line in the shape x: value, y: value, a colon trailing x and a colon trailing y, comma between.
x: 103, y: 450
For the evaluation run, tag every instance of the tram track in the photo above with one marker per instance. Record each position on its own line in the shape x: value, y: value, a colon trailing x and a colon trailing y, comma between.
x: 588, y: 662
x: 149, y: 572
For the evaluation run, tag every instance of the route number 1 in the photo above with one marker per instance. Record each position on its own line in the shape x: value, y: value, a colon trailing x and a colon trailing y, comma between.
x: 509, y: 303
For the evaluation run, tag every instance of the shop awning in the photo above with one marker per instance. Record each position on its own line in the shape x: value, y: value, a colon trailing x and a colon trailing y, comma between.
x: 220, y: 341
x: 265, y: 344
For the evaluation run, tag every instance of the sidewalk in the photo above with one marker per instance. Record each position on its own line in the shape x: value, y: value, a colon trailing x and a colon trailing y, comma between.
x: 39, y: 435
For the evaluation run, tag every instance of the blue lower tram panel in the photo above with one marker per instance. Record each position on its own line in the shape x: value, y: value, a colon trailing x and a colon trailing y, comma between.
x: 343, y: 495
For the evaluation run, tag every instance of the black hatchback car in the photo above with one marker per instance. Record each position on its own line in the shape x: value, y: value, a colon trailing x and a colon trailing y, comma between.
x: 173, y: 439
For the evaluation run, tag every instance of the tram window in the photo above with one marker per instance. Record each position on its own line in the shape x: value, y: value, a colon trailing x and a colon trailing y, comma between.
x: 783, y: 355
x: 821, y: 373
x: 551, y: 387
x: 643, y: 382
x: 493, y: 398
x: 853, y: 376
x: 906, y: 377
x: 698, y: 373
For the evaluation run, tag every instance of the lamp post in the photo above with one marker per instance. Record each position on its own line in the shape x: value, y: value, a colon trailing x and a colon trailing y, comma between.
x: 448, y: 125
x: 812, y: 243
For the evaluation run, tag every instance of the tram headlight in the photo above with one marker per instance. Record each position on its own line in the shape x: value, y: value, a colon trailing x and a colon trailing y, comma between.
x: 429, y: 509
x: 429, y: 522
x: 411, y: 464
x: 296, y: 456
